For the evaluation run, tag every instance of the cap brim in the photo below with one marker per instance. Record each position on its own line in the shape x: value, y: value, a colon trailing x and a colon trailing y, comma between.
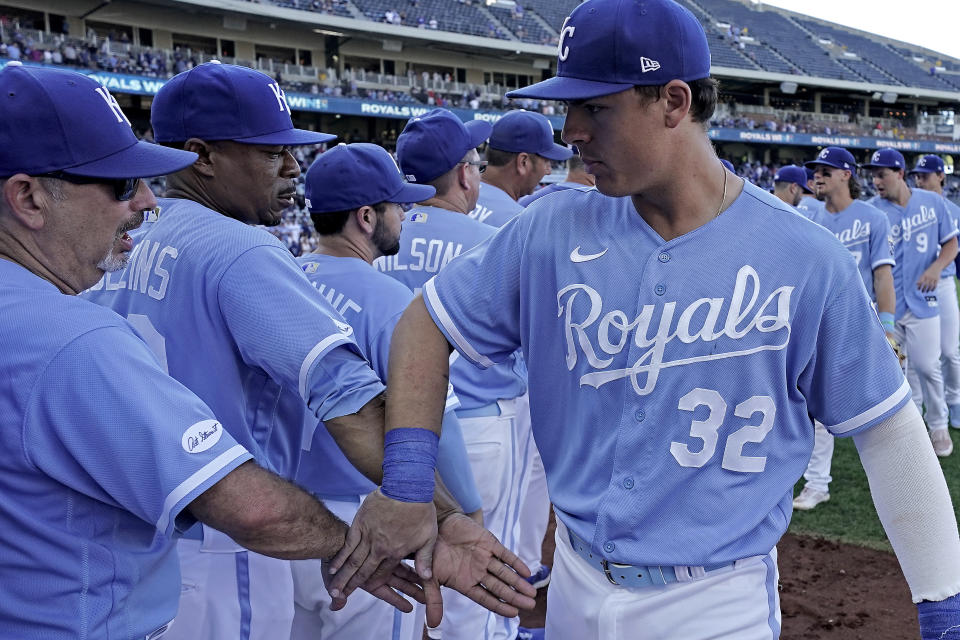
x: 139, y: 160
x: 923, y: 170
x: 557, y: 152
x: 479, y: 131
x: 813, y: 164
x: 878, y: 166
x: 805, y: 188
x: 565, y: 88
x: 293, y: 137
x: 413, y: 193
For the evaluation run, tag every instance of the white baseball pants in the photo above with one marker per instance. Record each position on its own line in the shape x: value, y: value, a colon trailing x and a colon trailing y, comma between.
x: 741, y: 603
x: 949, y: 339
x: 817, y: 474
x: 921, y: 339
x: 364, y: 616
x: 534, y: 508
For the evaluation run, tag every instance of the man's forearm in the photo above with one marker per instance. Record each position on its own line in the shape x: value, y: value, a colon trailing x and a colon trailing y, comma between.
x: 360, y: 437
x: 264, y: 513
x: 948, y: 252
x: 419, y: 371
x: 883, y: 288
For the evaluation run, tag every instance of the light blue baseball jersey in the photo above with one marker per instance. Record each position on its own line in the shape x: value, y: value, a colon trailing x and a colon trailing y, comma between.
x: 430, y: 239
x: 100, y: 453
x: 550, y: 188
x: 494, y: 207
x: 863, y: 229
x: 371, y: 303
x: 951, y: 269
x: 673, y: 384
x: 236, y: 320
x: 810, y: 206
x: 916, y: 233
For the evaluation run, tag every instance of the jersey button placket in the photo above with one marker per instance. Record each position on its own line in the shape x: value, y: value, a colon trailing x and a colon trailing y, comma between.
x: 609, y: 547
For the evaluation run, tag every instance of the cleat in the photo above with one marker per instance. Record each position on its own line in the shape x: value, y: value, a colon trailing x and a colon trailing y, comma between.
x: 809, y: 498
x: 942, y: 444
x: 540, y: 577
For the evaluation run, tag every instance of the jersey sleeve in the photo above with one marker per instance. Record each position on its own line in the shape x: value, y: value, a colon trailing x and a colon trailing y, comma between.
x: 105, y: 420
x: 282, y: 326
x: 475, y: 300
x: 880, y: 252
x: 853, y: 380
x: 946, y: 224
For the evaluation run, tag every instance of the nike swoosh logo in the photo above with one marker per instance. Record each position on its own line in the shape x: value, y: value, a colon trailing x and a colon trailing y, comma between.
x: 576, y: 256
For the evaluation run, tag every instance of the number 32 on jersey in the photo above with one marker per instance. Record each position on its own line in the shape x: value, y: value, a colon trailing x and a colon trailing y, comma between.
x: 708, y: 428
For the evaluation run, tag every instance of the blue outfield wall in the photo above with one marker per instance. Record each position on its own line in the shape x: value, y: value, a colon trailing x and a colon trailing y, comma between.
x: 141, y: 85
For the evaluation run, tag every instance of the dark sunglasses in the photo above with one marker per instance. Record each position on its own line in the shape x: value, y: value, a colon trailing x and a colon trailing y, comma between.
x: 123, y: 188
x: 481, y: 165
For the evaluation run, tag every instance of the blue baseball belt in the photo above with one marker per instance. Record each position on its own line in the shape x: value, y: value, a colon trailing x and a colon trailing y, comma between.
x: 628, y: 575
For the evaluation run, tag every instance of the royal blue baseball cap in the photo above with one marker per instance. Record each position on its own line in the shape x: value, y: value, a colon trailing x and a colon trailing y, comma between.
x: 929, y: 164
x: 432, y: 144
x: 215, y: 101
x: 59, y: 120
x: 809, y: 173
x: 350, y: 176
x: 524, y: 131
x: 792, y: 173
x: 729, y: 165
x: 886, y: 159
x: 836, y: 157
x: 609, y: 46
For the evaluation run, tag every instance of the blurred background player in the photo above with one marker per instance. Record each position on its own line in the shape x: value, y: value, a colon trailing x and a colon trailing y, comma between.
x: 810, y: 205
x: 519, y: 155
x: 576, y: 178
x: 924, y: 239
x: 439, y: 150
x: 357, y: 197
x: 928, y: 174
x: 863, y: 230
x: 790, y: 184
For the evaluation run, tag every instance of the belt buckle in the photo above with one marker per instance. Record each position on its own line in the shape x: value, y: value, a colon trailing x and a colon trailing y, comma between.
x: 606, y: 571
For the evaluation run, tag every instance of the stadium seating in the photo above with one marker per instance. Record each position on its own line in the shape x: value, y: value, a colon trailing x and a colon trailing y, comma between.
x: 450, y: 15
x: 523, y: 25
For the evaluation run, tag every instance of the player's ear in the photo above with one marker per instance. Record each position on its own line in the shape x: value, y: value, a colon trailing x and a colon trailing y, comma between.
x: 366, y: 218
x: 677, y: 100
x: 523, y: 163
x: 26, y: 200
x: 204, y: 150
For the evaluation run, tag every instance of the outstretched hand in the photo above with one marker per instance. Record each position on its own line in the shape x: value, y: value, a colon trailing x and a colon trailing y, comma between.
x: 471, y: 560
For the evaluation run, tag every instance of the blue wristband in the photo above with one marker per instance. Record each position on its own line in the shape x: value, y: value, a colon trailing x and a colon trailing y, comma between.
x: 940, y: 620
x: 409, y: 460
x: 887, y: 320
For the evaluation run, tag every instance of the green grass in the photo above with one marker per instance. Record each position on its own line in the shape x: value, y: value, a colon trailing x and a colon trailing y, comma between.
x: 849, y: 516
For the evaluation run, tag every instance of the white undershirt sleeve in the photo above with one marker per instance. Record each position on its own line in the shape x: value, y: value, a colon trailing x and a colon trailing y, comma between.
x: 913, y: 503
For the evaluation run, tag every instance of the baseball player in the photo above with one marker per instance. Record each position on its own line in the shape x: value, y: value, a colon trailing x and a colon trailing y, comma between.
x: 924, y: 239
x: 790, y: 183
x: 105, y: 458
x: 694, y: 354
x: 340, y: 186
x: 576, y: 177
x: 203, y: 286
x: 440, y: 150
x: 519, y: 154
x: 928, y: 174
x: 863, y: 230
x: 810, y: 205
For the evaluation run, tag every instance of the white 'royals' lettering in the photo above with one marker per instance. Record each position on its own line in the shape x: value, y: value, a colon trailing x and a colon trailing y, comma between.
x: 112, y: 103
x: 614, y: 328
x: 280, y: 96
x: 910, y: 224
x: 858, y: 231
x: 562, y: 51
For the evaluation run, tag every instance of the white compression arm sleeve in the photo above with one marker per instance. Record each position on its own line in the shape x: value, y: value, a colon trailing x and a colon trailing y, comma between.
x: 913, y: 503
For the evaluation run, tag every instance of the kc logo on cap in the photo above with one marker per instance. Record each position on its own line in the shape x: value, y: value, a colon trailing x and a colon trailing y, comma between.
x: 564, y: 51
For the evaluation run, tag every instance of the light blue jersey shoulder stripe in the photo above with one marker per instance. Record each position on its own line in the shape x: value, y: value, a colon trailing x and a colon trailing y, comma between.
x: 872, y: 413
x: 950, y: 236
x: 198, y: 478
x: 315, y: 353
x: 430, y: 292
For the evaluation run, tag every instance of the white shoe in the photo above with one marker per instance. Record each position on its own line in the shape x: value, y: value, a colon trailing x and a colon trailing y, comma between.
x: 942, y: 444
x: 809, y: 498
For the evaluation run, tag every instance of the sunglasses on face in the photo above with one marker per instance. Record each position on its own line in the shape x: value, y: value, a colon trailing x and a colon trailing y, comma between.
x: 123, y: 188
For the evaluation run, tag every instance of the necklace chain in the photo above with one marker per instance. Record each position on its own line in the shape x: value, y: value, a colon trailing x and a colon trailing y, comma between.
x: 724, y: 198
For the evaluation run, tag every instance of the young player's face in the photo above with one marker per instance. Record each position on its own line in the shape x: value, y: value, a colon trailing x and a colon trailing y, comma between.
x: 88, y: 230
x: 617, y: 135
x: 830, y: 181
x: 927, y: 181
x: 253, y: 183
x: 887, y: 183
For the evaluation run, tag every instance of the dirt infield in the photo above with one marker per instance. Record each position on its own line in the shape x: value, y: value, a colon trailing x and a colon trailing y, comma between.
x: 829, y: 591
